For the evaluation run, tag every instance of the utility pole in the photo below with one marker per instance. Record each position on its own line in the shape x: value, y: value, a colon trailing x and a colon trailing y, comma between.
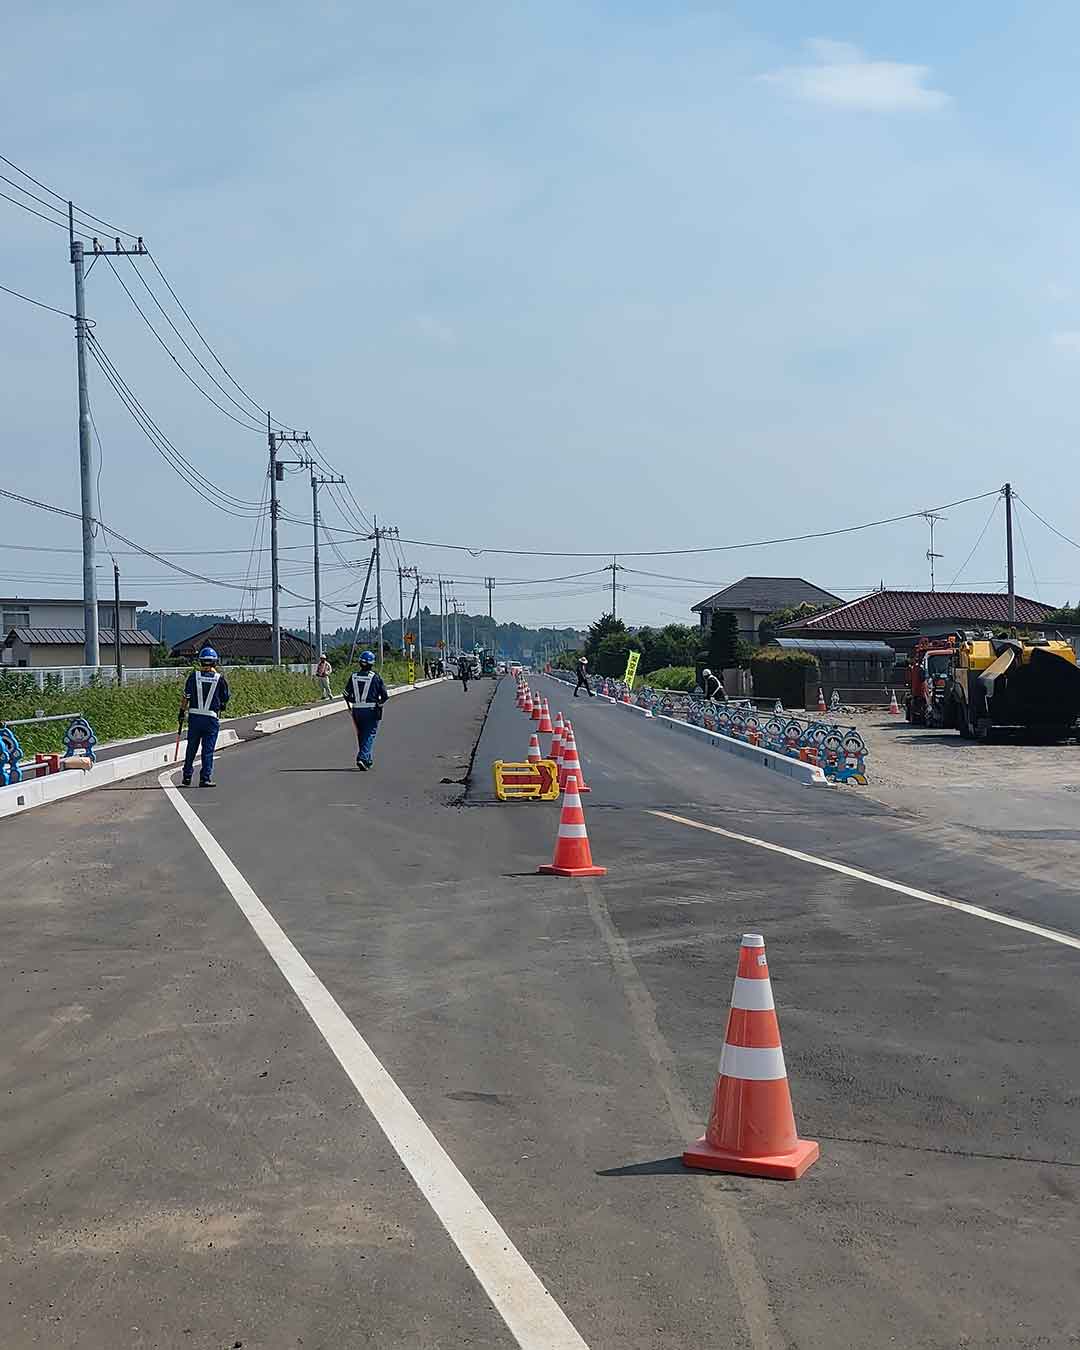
x: 277, y: 475
x: 613, y: 567
x: 442, y: 616
x: 363, y: 602
x: 91, y: 646
x: 309, y: 643
x: 1009, y: 552
x: 401, y: 603
x: 419, y: 622
x: 116, y: 623
x: 489, y: 582
x: 317, y: 481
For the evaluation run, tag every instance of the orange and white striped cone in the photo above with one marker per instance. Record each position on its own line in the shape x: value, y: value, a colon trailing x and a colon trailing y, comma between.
x: 569, y: 764
x: 527, y: 707
x: 821, y: 700
x: 573, y: 857
x: 751, y: 1126
x: 545, y: 728
x: 534, y: 755
x: 537, y: 708
x: 894, y: 707
x: 626, y: 694
x: 557, y: 741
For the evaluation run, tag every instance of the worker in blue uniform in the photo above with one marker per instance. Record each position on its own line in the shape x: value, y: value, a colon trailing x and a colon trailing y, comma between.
x: 365, y: 694
x: 205, y: 696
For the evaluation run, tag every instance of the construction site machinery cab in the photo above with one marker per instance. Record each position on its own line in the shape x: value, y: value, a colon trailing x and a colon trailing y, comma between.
x: 1032, y: 684
x: 488, y: 664
x: 928, y: 676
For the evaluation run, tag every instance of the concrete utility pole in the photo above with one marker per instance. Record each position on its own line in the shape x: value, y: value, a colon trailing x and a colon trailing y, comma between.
x: 613, y: 567
x: 489, y: 582
x: 277, y: 475
x: 317, y: 481
x: 1007, y: 489
x: 91, y: 645
x: 116, y: 623
x: 363, y: 602
x: 442, y: 616
x: 401, y: 603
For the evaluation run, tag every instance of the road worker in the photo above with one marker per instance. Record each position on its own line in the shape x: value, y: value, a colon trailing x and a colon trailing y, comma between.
x: 205, y: 696
x: 365, y: 694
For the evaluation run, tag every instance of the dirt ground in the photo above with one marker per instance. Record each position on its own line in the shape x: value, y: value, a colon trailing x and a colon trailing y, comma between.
x: 1021, y: 800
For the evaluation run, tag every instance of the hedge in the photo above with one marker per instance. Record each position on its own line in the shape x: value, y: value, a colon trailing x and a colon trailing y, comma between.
x: 673, y: 677
x: 780, y: 673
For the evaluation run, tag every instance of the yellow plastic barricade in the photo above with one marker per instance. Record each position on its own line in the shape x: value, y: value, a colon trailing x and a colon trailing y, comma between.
x: 524, y: 781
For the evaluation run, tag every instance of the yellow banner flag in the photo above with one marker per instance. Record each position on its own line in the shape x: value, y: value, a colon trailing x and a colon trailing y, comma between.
x: 631, y: 669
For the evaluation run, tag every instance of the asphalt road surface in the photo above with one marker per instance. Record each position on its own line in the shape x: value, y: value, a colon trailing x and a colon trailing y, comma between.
x: 440, y: 1084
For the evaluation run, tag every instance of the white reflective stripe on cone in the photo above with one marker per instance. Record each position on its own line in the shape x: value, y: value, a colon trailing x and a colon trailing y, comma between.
x: 752, y: 995
x: 754, y: 1063
x: 572, y: 832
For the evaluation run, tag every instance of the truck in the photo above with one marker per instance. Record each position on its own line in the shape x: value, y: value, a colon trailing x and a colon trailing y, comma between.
x: 1026, y: 683
x: 928, y: 679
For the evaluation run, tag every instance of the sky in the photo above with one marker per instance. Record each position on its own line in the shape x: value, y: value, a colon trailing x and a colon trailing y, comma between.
x: 568, y: 278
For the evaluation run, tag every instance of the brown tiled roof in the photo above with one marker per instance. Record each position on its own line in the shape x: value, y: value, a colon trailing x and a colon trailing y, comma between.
x: 904, y: 611
x: 244, y: 641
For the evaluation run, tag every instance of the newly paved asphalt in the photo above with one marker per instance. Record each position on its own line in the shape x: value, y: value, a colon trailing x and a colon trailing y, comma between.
x: 186, y: 1164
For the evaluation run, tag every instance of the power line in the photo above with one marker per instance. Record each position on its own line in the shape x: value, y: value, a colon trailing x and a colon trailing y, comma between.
x: 248, y: 426
x: 175, y: 458
x: 713, y: 548
x: 63, y: 200
x: 40, y: 303
x: 1052, y: 528
x: 61, y: 223
x: 1027, y: 551
x: 982, y: 532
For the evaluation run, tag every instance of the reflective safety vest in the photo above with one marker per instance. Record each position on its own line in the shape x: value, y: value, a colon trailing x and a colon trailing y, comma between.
x: 361, y: 684
x: 205, y: 689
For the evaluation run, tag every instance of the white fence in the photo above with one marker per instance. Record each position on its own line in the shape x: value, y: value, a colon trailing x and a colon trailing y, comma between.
x: 77, y: 677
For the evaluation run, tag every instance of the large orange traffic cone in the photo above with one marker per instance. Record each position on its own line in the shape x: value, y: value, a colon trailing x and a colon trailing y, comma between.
x: 555, y: 752
x: 894, y: 707
x: 569, y: 764
x: 821, y: 700
x: 751, y: 1125
x: 537, y: 708
x: 529, y: 699
x: 534, y: 755
x: 573, y: 857
x: 545, y: 728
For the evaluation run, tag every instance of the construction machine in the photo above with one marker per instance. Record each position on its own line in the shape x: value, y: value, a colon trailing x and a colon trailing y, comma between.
x: 998, y: 682
x: 928, y: 681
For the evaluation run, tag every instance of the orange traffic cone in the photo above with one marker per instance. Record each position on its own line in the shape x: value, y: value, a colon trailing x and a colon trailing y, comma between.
x: 536, y: 708
x: 534, y: 749
x: 626, y: 694
x: 528, y: 705
x: 894, y: 707
x: 569, y: 765
x: 557, y: 741
x: 573, y: 857
x: 545, y: 728
x: 821, y: 700
x: 751, y: 1125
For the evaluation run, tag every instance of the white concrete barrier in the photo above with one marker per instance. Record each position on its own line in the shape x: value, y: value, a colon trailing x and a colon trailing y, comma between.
x: 42, y: 788
x: 36, y: 791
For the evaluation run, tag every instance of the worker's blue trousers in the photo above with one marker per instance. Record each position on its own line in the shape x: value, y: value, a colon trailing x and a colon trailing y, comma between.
x: 366, y: 722
x: 202, y: 731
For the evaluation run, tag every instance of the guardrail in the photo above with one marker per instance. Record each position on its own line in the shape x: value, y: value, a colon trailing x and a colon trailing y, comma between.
x: 79, y: 677
x: 839, y: 751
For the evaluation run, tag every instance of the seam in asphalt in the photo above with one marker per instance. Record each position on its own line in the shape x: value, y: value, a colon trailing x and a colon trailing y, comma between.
x: 949, y: 1152
x: 719, y: 1203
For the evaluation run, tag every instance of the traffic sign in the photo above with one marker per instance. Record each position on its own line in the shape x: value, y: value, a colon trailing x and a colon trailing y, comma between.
x: 410, y: 637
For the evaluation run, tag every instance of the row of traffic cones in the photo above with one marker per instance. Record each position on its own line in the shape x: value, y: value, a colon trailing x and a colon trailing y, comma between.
x: 751, y: 1129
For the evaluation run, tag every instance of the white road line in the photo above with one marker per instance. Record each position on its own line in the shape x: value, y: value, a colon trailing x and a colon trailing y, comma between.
x: 1051, y: 934
x: 531, y: 1315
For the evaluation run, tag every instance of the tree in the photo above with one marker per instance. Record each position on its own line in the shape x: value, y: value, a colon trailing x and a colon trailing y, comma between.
x: 611, y: 655
x: 723, y: 640
x: 605, y: 626
x: 768, y: 626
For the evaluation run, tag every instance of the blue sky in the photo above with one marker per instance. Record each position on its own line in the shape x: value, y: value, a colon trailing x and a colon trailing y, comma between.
x: 593, y: 276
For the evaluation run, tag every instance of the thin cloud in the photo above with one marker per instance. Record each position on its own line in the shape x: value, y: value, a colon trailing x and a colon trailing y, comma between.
x: 840, y: 74
x: 1067, y: 341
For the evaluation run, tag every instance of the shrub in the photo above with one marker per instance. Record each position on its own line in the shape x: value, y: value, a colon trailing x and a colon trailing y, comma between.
x: 681, y: 678
x: 781, y: 674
